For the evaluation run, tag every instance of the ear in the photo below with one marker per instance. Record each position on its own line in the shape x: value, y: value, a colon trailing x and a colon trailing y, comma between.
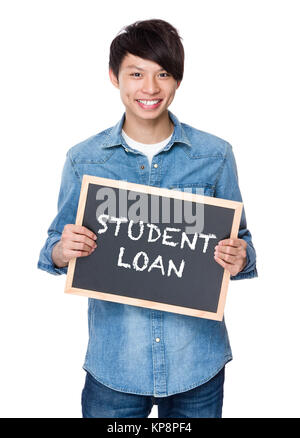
x: 113, y: 78
x: 178, y: 83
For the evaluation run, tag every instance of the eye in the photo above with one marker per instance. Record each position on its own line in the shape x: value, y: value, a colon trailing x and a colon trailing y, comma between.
x: 135, y: 74
x: 166, y: 74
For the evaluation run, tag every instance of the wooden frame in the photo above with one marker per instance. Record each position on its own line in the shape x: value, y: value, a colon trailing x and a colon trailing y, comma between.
x: 236, y: 206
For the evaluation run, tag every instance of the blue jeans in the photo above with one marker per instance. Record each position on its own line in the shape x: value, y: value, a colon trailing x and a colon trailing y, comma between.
x: 204, y: 401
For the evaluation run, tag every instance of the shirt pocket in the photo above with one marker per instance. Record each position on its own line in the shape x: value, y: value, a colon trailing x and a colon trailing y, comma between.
x: 197, y: 188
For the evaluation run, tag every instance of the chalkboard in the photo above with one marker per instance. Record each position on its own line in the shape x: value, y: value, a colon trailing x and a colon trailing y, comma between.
x: 155, y: 247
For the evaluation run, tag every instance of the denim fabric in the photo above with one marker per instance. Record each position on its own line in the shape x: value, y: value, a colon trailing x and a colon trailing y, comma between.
x: 122, y: 351
x: 204, y: 401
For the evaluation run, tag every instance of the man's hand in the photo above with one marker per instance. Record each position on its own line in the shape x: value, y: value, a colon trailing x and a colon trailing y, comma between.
x: 75, y: 241
x: 231, y: 254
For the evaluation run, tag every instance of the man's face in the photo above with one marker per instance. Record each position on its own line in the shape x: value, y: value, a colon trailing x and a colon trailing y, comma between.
x: 146, y: 89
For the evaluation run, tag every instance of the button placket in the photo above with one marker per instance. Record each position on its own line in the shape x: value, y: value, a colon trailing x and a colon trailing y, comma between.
x: 155, y: 171
x: 158, y: 352
x: 142, y: 168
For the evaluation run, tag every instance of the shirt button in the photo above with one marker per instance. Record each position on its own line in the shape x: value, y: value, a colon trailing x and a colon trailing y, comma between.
x: 142, y: 166
x: 155, y: 165
x: 157, y: 340
x: 126, y: 149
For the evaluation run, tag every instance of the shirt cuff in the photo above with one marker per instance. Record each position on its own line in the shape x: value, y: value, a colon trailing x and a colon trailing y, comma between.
x: 242, y: 275
x: 52, y: 269
x: 45, y: 261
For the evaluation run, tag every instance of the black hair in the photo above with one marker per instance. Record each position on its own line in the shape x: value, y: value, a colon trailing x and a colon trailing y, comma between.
x: 155, y: 39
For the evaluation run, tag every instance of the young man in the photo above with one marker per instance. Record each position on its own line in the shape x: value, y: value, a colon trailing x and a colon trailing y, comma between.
x: 137, y: 357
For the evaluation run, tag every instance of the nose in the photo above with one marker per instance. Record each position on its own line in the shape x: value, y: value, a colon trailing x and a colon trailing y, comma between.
x: 150, y: 86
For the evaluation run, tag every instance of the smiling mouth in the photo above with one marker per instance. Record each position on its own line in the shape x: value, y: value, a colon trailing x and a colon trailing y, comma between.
x: 147, y: 103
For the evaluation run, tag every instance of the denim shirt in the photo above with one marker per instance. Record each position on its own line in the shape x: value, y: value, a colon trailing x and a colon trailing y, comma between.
x: 134, y: 349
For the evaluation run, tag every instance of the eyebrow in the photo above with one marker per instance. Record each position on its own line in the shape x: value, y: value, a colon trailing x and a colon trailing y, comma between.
x: 139, y: 68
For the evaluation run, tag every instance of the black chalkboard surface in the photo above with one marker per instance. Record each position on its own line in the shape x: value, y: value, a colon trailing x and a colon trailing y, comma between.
x: 155, y: 247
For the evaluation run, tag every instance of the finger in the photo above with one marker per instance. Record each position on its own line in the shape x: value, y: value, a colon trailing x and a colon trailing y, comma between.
x: 229, y: 267
x: 226, y: 258
x: 81, y: 246
x: 84, y: 240
x: 222, y: 263
x: 80, y: 229
x: 225, y: 249
x: 70, y: 254
x: 241, y: 243
x: 230, y: 242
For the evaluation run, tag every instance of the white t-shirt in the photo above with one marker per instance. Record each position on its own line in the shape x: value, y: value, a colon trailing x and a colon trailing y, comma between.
x: 148, y: 149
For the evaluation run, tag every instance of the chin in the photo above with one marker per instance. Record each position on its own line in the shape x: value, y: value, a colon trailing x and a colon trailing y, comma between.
x: 150, y: 114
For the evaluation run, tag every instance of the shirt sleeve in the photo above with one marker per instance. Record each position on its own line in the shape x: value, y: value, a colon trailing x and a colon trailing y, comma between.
x: 227, y: 187
x: 66, y: 214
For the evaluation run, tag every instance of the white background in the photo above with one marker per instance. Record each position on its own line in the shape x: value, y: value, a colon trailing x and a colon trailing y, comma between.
x: 241, y: 83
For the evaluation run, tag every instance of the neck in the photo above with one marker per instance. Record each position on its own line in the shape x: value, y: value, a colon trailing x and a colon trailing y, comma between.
x: 148, y: 131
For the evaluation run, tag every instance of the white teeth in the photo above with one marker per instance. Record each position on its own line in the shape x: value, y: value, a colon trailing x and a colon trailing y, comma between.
x: 149, y: 102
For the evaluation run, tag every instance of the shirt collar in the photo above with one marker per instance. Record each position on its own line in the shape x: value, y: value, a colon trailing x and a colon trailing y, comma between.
x: 115, y: 137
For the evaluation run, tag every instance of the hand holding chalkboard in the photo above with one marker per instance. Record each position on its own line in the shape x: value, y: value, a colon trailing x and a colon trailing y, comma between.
x: 156, y: 247
x: 231, y: 254
x: 76, y: 241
